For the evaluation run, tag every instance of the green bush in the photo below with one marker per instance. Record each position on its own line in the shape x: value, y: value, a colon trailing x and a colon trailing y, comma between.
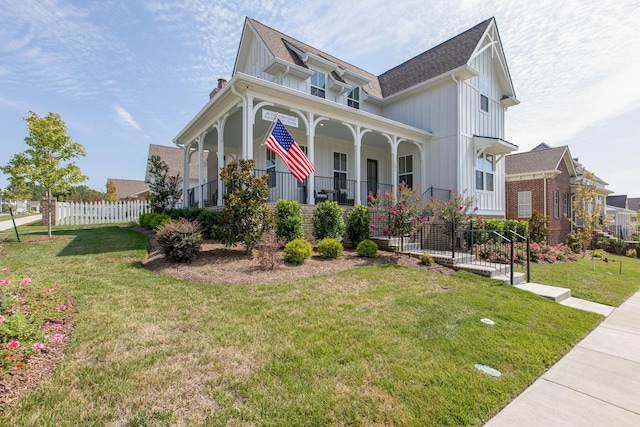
x: 519, y: 226
x: 144, y: 219
x: 330, y: 248
x: 426, y: 259
x: 538, y: 227
x: 618, y: 246
x: 297, y: 251
x: 367, y: 248
x: 603, y: 243
x: 180, y: 240
x: 159, y: 220
x: 327, y: 221
x: 631, y: 253
x: 597, y: 253
x: 358, y: 224
x: 574, y: 243
x: 290, y: 225
x: 209, y: 222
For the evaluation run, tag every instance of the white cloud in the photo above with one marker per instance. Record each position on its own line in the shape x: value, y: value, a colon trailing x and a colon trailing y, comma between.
x: 123, y: 117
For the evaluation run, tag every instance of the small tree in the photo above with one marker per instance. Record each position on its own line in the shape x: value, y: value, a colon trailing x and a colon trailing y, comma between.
x: 586, y: 210
x: 112, y: 192
x: 538, y: 227
x: 166, y: 190
x: 453, y: 212
x: 246, y: 216
x: 49, y: 160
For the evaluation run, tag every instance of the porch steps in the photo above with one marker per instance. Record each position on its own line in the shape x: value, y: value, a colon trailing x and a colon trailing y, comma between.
x: 551, y: 292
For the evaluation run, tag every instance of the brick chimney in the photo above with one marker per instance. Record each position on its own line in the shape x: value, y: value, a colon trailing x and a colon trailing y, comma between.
x: 221, y: 83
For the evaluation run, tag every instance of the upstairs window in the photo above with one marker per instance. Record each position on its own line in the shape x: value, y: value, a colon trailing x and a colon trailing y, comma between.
x: 484, y: 172
x: 318, y: 84
x: 353, y: 98
x: 405, y: 170
x: 484, y: 95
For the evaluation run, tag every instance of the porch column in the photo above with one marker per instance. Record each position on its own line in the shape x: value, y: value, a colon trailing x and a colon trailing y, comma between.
x: 311, y: 136
x: 245, y: 121
x: 250, y: 122
x: 185, y: 182
x: 394, y: 166
x: 201, y: 183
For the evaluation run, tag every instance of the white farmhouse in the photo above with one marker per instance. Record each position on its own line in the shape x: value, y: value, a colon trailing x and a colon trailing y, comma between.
x: 436, y: 120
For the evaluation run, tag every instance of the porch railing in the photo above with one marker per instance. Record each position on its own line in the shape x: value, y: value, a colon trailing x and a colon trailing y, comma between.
x: 436, y: 193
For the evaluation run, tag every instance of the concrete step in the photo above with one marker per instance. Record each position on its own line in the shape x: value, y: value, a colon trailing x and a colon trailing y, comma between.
x: 518, y: 278
x: 594, y: 307
x: 551, y: 292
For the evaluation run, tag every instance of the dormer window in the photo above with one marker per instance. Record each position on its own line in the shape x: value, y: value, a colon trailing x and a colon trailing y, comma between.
x: 353, y: 98
x: 318, y: 83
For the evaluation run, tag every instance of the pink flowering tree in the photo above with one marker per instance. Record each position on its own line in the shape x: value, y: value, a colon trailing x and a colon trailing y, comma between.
x: 457, y: 209
x: 399, y: 216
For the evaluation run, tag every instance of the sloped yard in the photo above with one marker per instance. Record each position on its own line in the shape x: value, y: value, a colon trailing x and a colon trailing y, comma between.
x: 377, y: 344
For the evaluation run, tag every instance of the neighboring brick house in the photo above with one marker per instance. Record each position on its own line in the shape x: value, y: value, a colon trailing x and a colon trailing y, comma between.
x: 130, y: 189
x: 540, y: 180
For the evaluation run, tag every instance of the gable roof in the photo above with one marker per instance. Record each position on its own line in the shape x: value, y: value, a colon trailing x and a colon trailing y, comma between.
x: 173, y: 157
x: 129, y: 187
x: 276, y: 42
x: 633, y: 203
x: 538, y: 160
x: 618, y: 201
x: 446, y: 57
x: 443, y: 58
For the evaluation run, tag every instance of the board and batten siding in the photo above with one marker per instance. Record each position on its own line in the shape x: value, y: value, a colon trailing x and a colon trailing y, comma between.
x: 434, y: 110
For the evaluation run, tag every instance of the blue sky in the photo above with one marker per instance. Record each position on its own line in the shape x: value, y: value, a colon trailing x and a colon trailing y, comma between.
x: 125, y: 74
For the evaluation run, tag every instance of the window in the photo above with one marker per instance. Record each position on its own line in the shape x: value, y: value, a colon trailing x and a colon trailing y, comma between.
x: 556, y: 204
x: 484, y: 95
x: 353, y: 98
x: 318, y: 83
x: 271, y: 167
x: 405, y: 170
x: 484, y: 172
x: 304, y: 182
x: 524, y: 204
x: 565, y: 205
x: 339, y: 171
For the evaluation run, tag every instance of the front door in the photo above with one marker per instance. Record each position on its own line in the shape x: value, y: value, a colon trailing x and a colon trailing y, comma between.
x: 372, y: 176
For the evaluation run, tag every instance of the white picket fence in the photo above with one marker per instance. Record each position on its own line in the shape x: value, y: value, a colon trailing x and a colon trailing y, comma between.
x: 68, y: 213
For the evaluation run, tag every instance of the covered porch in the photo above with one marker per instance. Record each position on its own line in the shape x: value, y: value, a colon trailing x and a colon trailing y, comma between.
x: 355, y: 153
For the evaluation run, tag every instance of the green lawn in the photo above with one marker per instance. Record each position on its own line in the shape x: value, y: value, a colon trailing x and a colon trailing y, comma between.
x: 383, y: 345
x: 597, y: 281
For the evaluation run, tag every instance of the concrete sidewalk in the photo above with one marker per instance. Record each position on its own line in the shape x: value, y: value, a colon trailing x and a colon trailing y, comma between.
x: 7, y: 224
x: 596, y: 384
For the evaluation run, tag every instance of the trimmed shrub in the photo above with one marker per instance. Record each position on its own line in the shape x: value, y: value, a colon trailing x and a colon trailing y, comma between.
x: 180, y: 240
x: 297, y: 251
x: 603, y: 243
x: 631, y: 253
x: 597, y: 253
x: 327, y: 221
x: 426, y: 259
x: 159, y: 220
x: 618, y: 246
x: 330, y: 248
x: 538, y: 227
x: 209, y: 222
x: 358, y: 224
x: 269, y: 257
x: 144, y: 219
x: 290, y: 225
x: 574, y: 242
x: 367, y: 248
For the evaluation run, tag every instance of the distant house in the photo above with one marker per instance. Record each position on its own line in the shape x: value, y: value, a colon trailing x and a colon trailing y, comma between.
x: 130, y: 189
x: 540, y: 180
x: 174, y: 157
x: 436, y: 120
x: 621, y: 218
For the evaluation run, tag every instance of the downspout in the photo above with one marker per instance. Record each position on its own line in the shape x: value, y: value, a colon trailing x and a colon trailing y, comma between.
x: 545, y: 194
x: 457, y: 124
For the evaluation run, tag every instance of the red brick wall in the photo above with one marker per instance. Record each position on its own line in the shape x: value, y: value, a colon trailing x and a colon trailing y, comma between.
x: 558, y: 227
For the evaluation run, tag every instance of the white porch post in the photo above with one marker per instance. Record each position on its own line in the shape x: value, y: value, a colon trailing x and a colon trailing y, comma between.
x: 200, y: 168
x: 185, y: 171
x: 250, y: 121
x: 394, y: 166
x: 220, y: 155
x: 311, y: 151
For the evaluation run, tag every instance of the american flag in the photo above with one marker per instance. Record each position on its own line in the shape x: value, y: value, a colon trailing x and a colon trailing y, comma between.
x: 282, y: 143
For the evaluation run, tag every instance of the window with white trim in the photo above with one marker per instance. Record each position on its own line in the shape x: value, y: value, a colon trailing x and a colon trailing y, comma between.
x: 405, y: 170
x: 318, y: 83
x: 556, y: 204
x: 484, y: 95
x: 353, y: 98
x: 484, y: 172
x: 271, y: 167
x: 565, y: 205
x: 306, y: 153
x: 524, y: 204
x: 340, y: 171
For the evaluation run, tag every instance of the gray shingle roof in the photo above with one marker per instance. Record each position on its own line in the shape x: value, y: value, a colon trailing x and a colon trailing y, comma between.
x: 441, y: 59
x: 445, y: 57
x: 619, y: 201
x: 538, y: 160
